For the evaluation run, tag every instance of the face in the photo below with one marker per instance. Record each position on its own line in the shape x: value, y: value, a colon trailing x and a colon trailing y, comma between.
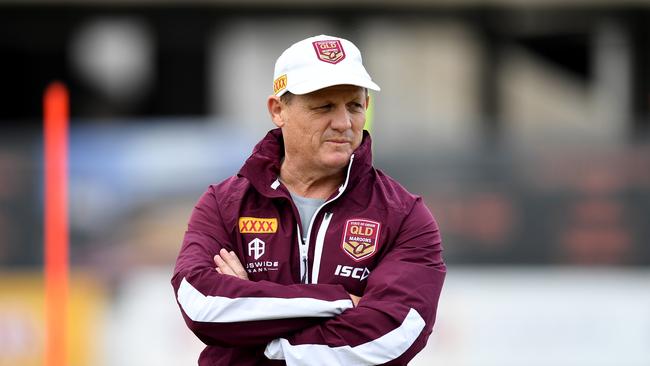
x: 321, y: 129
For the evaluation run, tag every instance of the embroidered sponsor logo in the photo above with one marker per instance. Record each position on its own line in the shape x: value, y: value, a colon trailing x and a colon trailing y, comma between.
x: 255, y: 225
x: 280, y: 84
x: 353, y: 272
x: 360, y: 238
x: 262, y: 266
x: 256, y: 248
x: 329, y: 51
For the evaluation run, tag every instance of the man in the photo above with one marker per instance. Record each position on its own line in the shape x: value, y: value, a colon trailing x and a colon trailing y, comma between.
x: 309, y: 255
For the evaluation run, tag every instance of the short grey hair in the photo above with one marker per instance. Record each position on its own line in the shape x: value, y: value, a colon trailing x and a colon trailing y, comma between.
x: 287, y: 96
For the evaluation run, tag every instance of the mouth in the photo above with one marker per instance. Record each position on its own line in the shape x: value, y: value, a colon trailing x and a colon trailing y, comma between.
x: 339, y: 142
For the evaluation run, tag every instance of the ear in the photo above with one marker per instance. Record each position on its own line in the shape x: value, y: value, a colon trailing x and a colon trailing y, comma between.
x: 367, y: 101
x: 276, y: 107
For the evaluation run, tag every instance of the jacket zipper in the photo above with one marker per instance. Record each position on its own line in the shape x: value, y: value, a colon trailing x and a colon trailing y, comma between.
x: 304, y: 250
x: 318, y: 249
x: 304, y: 247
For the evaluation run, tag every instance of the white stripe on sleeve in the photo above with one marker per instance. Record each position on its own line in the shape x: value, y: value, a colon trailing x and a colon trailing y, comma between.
x: 219, y: 309
x: 381, y: 350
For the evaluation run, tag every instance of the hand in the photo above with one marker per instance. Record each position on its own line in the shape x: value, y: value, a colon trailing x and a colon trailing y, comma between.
x: 355, y: 299
x: 228, y: 264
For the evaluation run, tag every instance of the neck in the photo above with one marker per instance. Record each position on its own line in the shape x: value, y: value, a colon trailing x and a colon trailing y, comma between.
x: 310, y: 183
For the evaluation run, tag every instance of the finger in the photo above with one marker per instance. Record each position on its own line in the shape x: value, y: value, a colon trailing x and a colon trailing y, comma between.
x: 219, y: 270
x: 355, y: 299
x: 237, y: 266
x: 220, y: 260
x: 224, y: 267
x: 234, y: 263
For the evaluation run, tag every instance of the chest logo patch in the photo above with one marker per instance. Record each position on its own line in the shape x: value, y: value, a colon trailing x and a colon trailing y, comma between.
x: 255, y: 225
x: 256, y: 248
x: 360, y: 238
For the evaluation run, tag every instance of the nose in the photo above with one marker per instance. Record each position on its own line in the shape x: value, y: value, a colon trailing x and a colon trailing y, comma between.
x: 341, y: 119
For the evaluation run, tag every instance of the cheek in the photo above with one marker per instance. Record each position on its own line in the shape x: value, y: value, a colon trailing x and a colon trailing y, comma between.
x: 293, y: 136
x: 316, y: 128
x: 304, y: 135
x: 310, y: 132
x: 358, y: 130
x: 358, y: 124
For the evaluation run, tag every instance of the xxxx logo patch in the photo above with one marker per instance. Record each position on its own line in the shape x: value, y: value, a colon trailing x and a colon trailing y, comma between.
x: 280, y: 84
x: 360, y: 238
x: 329, y: 51
x: 255, y: 225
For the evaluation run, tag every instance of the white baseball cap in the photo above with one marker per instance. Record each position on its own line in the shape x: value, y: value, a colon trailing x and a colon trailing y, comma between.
x: 318, y: 62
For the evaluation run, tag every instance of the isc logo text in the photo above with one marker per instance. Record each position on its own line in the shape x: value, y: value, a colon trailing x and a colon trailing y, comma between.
x: 354, y: 272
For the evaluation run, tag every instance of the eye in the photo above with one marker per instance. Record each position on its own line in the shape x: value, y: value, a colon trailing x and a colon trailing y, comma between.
x: 357, y: 107
x: 324, y: 107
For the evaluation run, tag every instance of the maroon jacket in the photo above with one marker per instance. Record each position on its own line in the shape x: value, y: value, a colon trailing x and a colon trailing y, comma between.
x: 372, y: 238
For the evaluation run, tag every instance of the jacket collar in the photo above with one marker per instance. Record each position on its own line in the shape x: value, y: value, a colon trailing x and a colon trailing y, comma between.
x: 262, y: 168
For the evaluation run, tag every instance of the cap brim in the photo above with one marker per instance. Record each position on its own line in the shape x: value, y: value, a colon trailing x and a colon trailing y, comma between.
x: 321, y: 80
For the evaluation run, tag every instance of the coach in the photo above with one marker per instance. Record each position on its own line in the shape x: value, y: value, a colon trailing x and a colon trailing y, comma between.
x: 310, y: 255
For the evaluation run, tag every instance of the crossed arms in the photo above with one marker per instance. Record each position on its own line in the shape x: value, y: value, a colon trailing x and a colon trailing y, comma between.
x: 228, y: 264
x: 312, y: 324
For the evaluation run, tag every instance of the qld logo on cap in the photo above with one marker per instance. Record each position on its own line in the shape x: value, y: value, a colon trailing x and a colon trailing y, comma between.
x: 329, y: 51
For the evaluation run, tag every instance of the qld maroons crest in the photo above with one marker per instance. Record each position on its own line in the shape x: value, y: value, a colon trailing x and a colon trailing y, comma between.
x: 329, y: 51
x: 360, y: 238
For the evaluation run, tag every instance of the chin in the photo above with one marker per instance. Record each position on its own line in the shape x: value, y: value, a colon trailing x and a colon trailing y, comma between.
x: 336, y: 160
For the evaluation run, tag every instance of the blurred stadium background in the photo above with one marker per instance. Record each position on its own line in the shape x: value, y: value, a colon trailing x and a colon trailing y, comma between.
x: 523, y: 123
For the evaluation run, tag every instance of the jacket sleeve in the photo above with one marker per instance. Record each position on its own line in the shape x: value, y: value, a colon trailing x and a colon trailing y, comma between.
x: 395, y: 316
x: 227, y: 311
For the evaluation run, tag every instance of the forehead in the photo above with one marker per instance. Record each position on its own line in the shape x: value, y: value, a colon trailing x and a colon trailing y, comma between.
x: 336, y: 91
